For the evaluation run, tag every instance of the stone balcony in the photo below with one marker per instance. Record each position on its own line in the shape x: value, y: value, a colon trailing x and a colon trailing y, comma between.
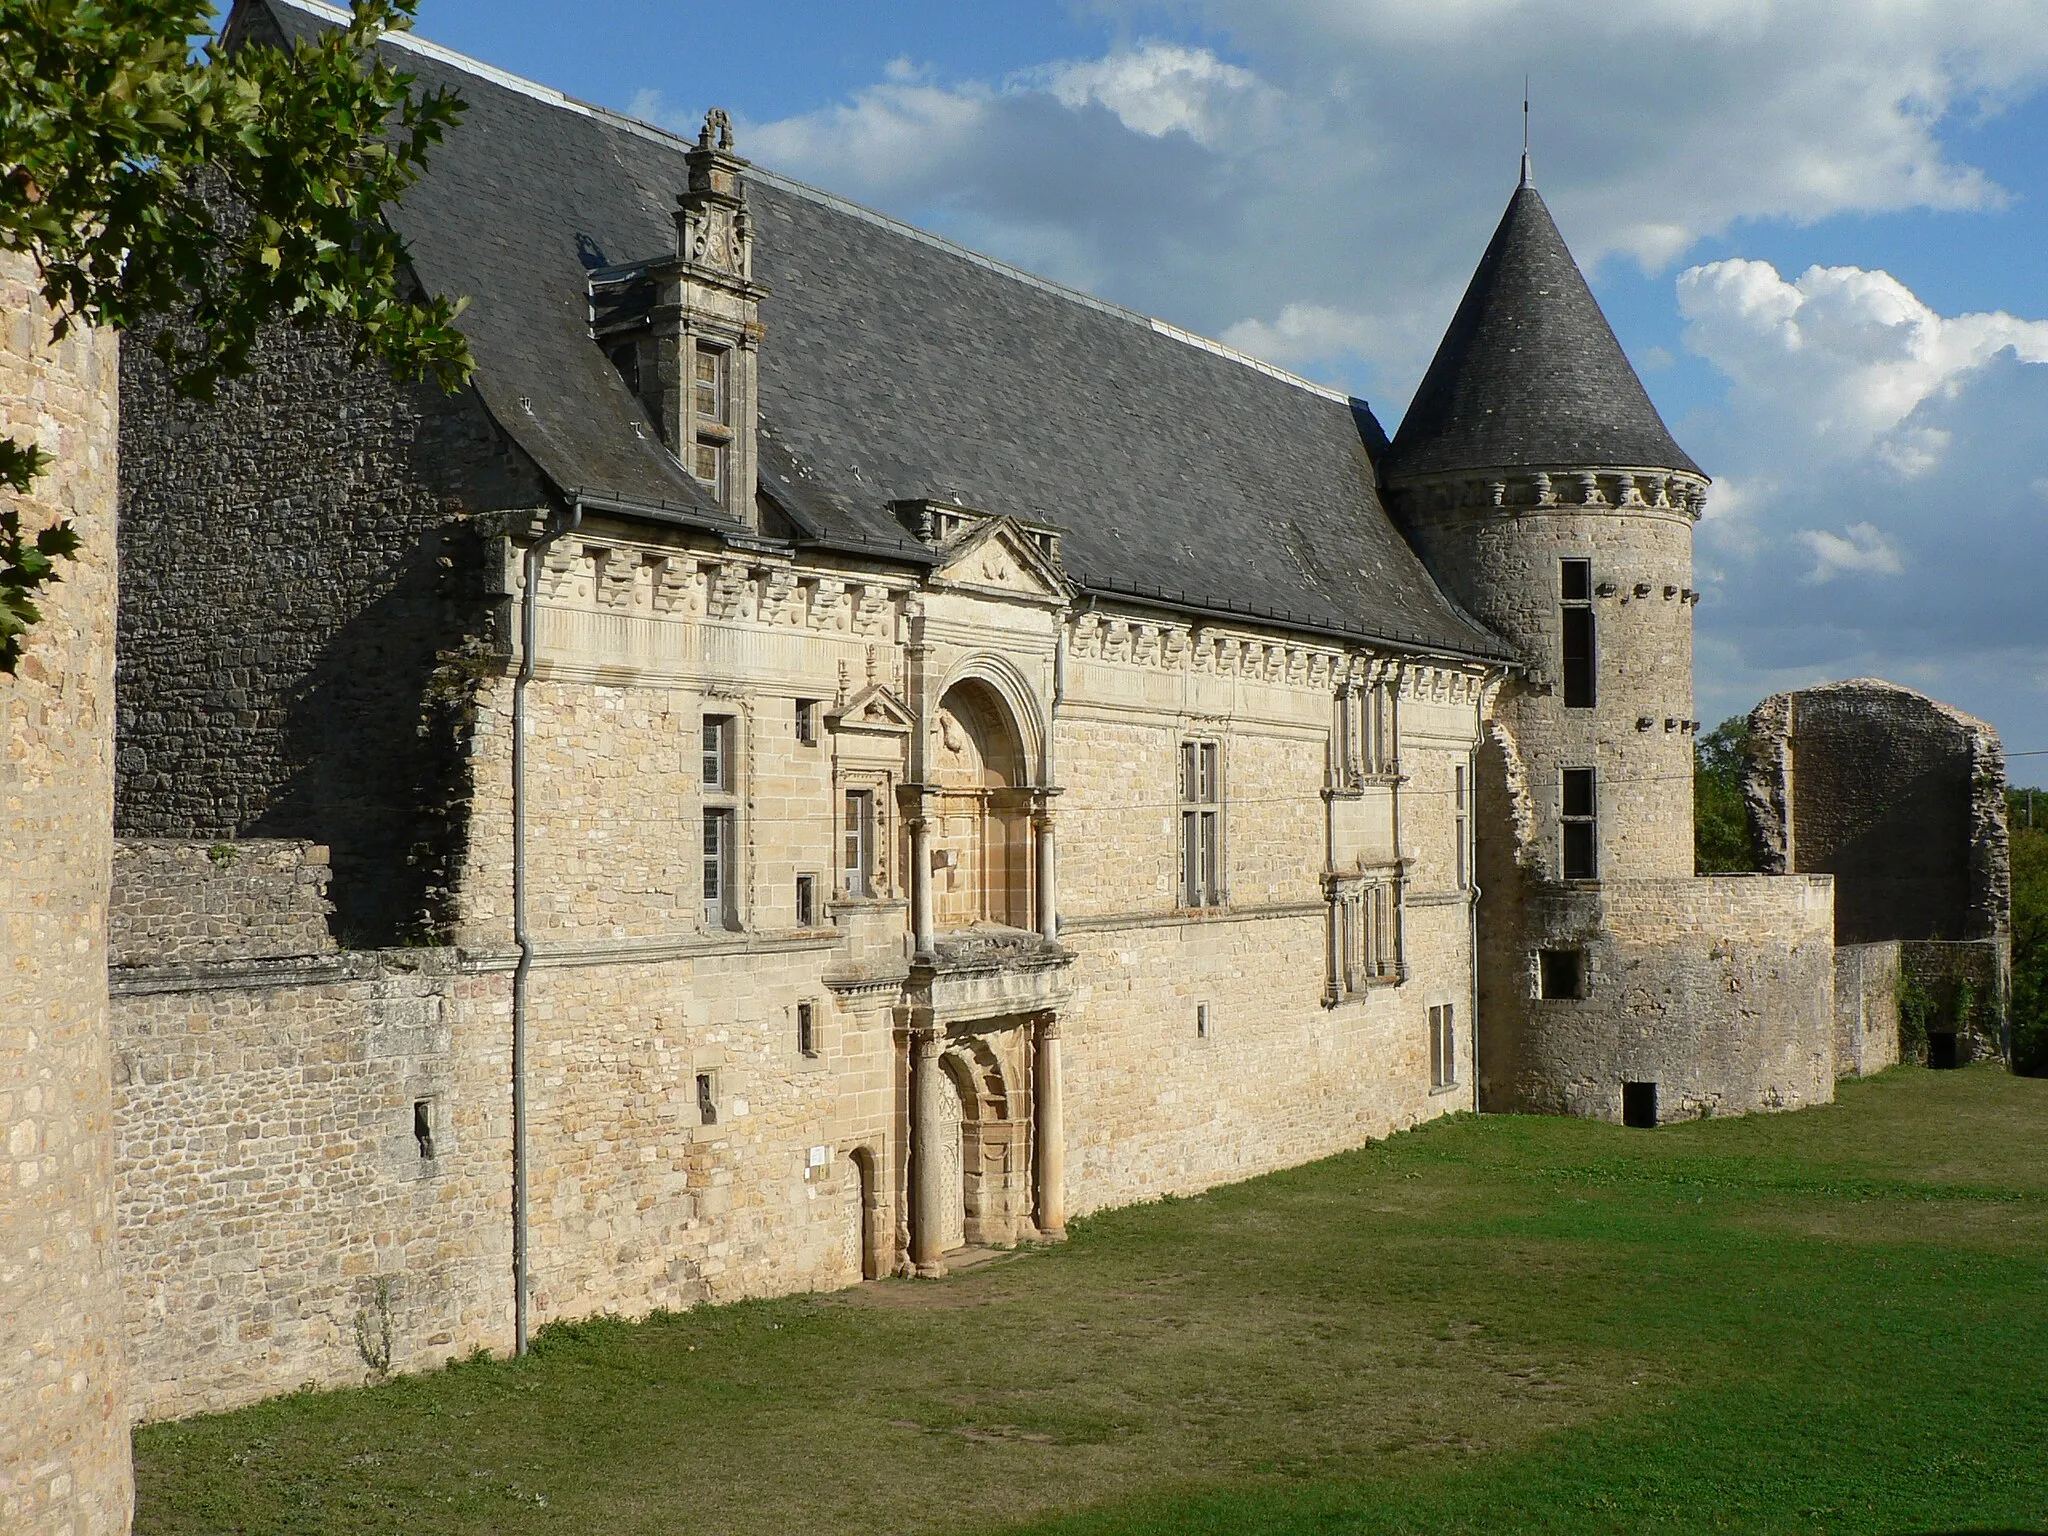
x: 990, y: 971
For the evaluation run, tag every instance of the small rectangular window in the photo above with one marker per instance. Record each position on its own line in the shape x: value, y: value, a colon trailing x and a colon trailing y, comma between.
x: 807, y: 722
x: 717, y: 764
x: 707, y: 1100
x: 1201, y: 1021
x: 1580, y: 821
x: 806, y: 1030
x: 1561, y: 973
x: 1200, y: 824
x: 718, y: 882
x: 423, y: 1125
x: 858, y: 833
x: 807, y: 901
x: 1577, y: 578
x: 1443, y: 1047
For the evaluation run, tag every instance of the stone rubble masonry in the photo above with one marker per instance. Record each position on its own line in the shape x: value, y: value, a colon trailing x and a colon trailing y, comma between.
x: 1719, y: 990
x: 64, y: 1456
x: 257, y: 899
x: 269, y: 1176
x: 300, y: 580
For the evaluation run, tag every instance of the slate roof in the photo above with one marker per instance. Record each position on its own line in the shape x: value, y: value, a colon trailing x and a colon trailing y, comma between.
x: 897, y: 366
x: 1529, y: 375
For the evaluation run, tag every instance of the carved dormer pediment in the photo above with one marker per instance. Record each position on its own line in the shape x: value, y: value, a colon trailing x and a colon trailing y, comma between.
x: 875, y: 711
x: 983, y: 552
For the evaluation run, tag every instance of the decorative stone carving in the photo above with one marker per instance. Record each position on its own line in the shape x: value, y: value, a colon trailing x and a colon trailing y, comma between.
x: 732, y: 591
x: 873, y: 614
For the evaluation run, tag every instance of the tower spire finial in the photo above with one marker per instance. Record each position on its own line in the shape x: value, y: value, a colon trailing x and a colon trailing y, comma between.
x: 1527, y: 180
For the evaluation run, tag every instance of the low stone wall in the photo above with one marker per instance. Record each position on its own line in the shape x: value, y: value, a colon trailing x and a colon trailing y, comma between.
x: 268, y: 1178
x: 1719, y: 992
x: 177, y: 901
x: 1866, y: 1008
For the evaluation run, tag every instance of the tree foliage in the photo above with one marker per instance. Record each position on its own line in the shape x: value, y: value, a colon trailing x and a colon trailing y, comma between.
x: 147, y: 175
x: 2029, y: 933
x: 1720, y: 825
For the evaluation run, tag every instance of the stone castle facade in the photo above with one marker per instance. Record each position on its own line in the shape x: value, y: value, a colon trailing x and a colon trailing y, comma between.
x: 835, y: 752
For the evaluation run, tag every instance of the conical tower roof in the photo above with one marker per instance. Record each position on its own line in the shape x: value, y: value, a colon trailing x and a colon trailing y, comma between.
x: 1529, y: 375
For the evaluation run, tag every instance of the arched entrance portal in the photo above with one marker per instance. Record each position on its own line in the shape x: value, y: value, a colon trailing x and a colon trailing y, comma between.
x: 982, y: 859
x: 993, y: 1205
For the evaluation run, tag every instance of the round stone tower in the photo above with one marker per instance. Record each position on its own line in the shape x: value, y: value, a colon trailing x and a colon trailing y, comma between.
x: 1543, y: 490
x: 1541, y: 487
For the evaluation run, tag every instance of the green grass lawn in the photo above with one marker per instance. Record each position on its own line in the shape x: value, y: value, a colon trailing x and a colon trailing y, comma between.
x: 1835, y: 1320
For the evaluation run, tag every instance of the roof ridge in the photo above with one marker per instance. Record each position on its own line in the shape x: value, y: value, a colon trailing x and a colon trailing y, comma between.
x: 549, y: 96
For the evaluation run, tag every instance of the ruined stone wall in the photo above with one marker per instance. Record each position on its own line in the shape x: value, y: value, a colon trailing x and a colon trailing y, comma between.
x: 1900, y: 797
x: 1719, y: 990
x: 64, y: 1459
x: 270, y: 1177
x: 1867, y: 979
x: 296, y: 559
x: 178, y: 901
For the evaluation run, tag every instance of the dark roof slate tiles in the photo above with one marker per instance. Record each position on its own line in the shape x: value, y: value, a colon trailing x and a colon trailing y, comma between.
x: 897, y: 367
x: 1529, y: 374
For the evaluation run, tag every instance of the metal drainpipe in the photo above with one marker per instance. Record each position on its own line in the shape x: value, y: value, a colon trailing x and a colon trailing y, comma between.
x: 528, y: 625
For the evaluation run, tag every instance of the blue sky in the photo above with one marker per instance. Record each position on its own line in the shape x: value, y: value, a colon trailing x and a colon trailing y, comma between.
x: 1312, y: 180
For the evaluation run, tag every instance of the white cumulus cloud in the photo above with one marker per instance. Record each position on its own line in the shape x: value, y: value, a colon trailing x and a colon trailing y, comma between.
x: 1859, y: 547
x: 1842, y: 356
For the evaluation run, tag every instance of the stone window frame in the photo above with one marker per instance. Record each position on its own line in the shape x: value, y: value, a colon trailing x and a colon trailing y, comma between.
x: 722, y: 911
x: 1200, y: 826
x: 711, y: 432
x: 1443, y: 1047
x: 1461, y: 824
x: 877, y: 784
x: 1585, y: 822
x: 1367, y: 732
x: 1365, y: 934
x: 1575, y: 609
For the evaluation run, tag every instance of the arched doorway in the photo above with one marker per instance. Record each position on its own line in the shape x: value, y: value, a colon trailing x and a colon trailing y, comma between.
x: 863, y: 1235
x: 982, y: 863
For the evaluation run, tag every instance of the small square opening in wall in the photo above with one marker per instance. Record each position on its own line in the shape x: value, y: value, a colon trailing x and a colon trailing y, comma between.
x: 423, y: 1125
x: 1202, y: 1021
x: 1561, y: 973
x: 1943, y: 1052
x: 806, y: 1029
x: 707, y: 1099
x: 1639, y: 1105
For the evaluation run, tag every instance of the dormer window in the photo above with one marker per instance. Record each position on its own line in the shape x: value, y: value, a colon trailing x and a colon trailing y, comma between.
x: 711, y: 411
